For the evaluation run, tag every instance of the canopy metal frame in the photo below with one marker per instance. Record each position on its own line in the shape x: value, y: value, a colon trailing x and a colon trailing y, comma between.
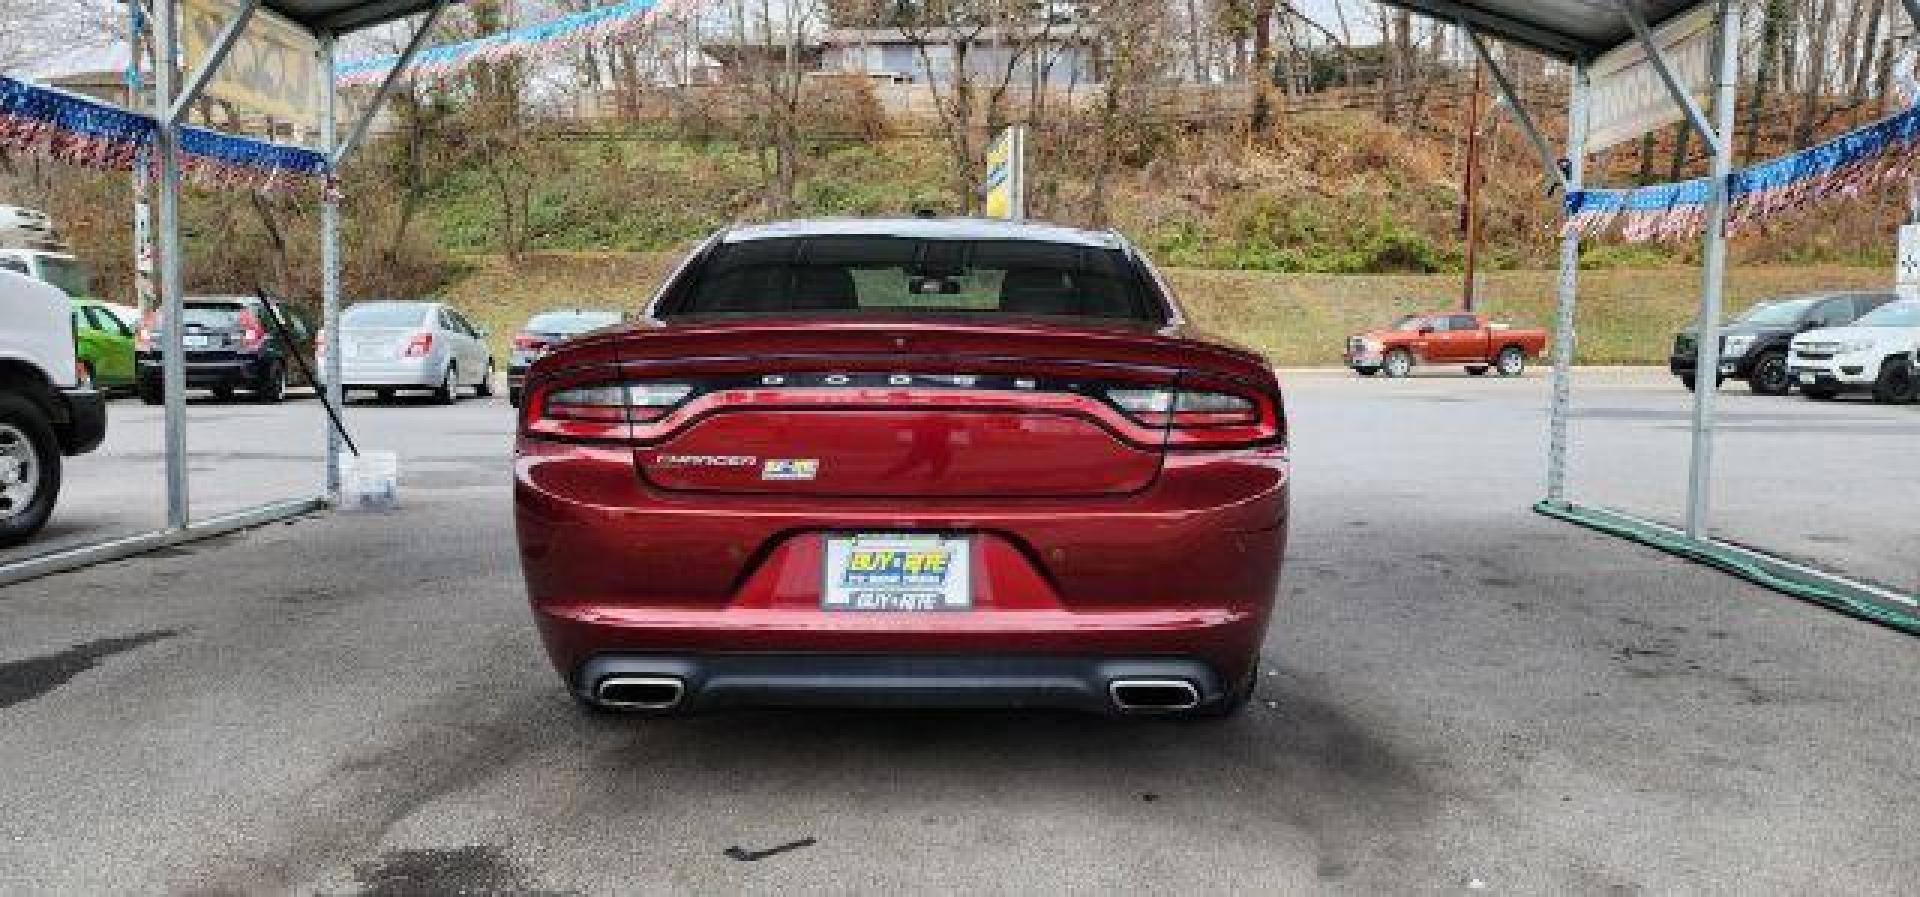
x: 173, y: 98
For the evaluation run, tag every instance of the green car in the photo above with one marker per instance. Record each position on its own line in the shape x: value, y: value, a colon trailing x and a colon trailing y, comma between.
x: 105, y: 344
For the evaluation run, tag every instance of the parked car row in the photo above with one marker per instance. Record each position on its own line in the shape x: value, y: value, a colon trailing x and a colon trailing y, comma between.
x: 1824, y: 344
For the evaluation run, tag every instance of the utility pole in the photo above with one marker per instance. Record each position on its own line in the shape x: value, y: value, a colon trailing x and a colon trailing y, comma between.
x: 1470, y: 215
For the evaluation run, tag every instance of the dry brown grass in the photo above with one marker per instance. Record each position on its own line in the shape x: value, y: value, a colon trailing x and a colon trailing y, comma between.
x: 1626, y: 316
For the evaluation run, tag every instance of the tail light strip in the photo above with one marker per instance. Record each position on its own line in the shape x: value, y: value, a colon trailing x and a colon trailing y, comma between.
x: 1209, y: 415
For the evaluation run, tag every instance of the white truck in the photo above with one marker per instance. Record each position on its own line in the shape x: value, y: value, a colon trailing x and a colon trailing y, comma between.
x: 1876, y: 354
x: 45, y: 414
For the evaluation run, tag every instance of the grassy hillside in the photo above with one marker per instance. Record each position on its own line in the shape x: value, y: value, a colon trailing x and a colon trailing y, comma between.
x: 1626, y: 316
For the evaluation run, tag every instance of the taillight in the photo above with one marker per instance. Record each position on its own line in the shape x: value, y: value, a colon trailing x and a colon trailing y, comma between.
x: 527, y: 342
x: 143, y: 338
x: 252, y: 335
x: 1201, y: 418
x: 419, y: 346
x: 602, y: 410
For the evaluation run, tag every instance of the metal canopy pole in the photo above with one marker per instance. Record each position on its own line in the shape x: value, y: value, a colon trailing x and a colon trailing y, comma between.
x: 166, y: 152
x: 330, y: 270
x: 392, y: 80
x: 1564, y: 334
x: 1706, y: 373
x: 216, y: 55
x: 1521, y: 116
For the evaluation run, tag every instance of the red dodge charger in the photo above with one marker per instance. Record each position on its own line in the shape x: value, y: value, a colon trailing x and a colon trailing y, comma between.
x: 904, y: 463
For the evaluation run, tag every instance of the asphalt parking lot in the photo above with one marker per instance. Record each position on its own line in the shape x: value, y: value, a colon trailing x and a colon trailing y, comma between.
x: 1459, y: 695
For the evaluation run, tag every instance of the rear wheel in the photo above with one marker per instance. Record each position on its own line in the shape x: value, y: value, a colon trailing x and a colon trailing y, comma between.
x: 29, y: 469
x: 1476, y: 370
x: 1398, y: 363
x: 1686, y: 380
x: 1896, y: 383
x: 449, y: 391
x: 484, y: 388
x: 272, y: 386
x: 1511, y: 362
x: 1770, y: 376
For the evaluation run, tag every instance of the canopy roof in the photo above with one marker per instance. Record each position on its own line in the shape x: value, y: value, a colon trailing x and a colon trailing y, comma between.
x: 341, y: 16
x: 1567, y: 29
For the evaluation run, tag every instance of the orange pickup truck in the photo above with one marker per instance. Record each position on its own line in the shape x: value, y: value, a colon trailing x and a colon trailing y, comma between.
x: 1458, y: 338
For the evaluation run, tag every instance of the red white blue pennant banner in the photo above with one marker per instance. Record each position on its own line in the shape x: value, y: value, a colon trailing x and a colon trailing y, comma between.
x: 1842, y: 168
x: 593, y: 27
x: 82, y: 131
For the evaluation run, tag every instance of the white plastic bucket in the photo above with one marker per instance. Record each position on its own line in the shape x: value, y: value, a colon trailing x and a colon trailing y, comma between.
x: 370, y: 481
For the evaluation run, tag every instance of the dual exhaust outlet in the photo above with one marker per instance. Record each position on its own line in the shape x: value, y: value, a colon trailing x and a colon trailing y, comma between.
x: 659, y: 694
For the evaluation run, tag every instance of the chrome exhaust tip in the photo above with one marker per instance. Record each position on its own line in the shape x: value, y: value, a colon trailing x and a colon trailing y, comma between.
x: 1153, y: 695
x: 639, y: 692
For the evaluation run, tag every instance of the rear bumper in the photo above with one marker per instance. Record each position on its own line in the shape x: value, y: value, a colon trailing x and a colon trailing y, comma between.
x: 237, y: 372
x: 725, y: 681
x: 423, y: 374
x: 1186, y: 570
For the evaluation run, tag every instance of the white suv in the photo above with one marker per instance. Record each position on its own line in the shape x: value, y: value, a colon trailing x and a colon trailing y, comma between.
x: 1876, y: 354
x: 45, y: 412
x: 24, y: 226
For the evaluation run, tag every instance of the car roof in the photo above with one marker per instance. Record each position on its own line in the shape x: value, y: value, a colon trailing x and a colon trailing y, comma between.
x: 924, y: 229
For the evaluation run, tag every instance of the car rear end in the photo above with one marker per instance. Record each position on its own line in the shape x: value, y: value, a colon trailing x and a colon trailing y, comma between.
x: 226, y: 342
x: 1008, y: 479
x: 392, y: 345
x: 542, y: 333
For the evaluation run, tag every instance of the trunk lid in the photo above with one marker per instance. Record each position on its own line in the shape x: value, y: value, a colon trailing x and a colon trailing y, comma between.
x: 906, y: 407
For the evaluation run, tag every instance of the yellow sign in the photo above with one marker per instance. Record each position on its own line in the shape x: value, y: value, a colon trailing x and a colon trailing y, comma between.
x: 1005, y: 175
x: 273, y: 70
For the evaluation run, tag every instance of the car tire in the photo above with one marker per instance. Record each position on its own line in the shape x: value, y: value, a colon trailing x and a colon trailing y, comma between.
x: 29, y: 469
x: 484, y: 389
x: 1511, y: 362
x: 1686, y: 380
x: 513, y: 396
x: 272, y: 386
x: 449, y: 390
x: 1896, y: 383
x: 1770, y: 376
x: 1476, y: 370
x: 1398, y: 363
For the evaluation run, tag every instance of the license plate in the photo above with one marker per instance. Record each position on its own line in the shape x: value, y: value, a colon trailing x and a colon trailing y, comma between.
x: 195, y: 341
x: 897, y: 573
x: 1808, y: 377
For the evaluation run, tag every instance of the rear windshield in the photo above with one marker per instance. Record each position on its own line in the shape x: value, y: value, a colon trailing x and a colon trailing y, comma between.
x: 572, y: 321
x: 863, y: 274
x: 213, y: 315
x: 384, y: 316
x: 67, y: 274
